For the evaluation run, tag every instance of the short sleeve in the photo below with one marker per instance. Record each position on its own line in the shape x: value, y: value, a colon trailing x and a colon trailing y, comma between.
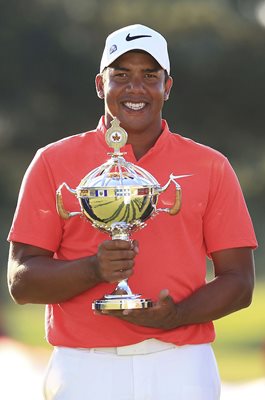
x: 226, y: 222
x: 36, y: 221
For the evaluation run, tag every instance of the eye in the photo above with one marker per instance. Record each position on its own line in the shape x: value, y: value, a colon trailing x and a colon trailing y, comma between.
x: 120, y: 76
x: 151, y: 76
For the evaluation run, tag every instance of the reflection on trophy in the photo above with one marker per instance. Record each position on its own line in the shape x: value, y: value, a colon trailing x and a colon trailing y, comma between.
x: 118, y: 198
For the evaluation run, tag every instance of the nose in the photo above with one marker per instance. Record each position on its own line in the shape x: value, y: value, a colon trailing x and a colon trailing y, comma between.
x: 136, y: 85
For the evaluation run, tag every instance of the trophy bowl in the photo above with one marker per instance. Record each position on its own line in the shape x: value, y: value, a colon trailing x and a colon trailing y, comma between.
x: 118, y: 198
x: 119, y: 193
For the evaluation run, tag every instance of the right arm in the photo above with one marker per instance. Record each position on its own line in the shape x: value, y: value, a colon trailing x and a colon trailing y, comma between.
x: 34, y: 276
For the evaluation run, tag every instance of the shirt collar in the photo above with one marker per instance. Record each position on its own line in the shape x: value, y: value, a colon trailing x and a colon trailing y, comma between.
x: 127, y: 149
x: 165, y: 130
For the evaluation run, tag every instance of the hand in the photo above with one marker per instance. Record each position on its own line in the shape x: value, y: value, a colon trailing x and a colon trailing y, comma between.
x: 115, y: 260
x: 163, y: 315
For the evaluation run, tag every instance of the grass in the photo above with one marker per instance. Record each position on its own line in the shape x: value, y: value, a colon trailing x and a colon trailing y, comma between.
x: 239, y: 345
x: 26, y: 324
x: 240, y: 342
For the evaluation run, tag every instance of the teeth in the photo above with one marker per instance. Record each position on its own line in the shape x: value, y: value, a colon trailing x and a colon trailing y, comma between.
x: 135, y: 106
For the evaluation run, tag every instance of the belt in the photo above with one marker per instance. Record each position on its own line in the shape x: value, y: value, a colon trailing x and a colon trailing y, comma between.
x: 146, y: 347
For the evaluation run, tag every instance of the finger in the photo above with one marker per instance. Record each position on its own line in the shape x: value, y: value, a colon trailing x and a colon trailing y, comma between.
x: 135, y: 246
x: 164, y: 297
x: 121, y: 265
x: 123, y: 274
x: 126, y: 254
x: 119, y: 274
x: 116, y: 260
x: 163, y: 294
x: 127, y: 312
x: 117, y: 244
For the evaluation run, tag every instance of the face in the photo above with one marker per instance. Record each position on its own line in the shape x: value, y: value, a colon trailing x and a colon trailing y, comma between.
x: 134, y: 91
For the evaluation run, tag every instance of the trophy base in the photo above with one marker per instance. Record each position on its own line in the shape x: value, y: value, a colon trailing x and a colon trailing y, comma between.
x: 122, y: 302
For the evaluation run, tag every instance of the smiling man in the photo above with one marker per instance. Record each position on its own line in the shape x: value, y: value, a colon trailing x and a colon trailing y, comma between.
x: 162, y: 352
x: 134, y: 88
x: 134, y: 82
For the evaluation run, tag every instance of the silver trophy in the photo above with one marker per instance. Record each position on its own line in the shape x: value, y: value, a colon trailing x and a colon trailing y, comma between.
x: 118, y: 198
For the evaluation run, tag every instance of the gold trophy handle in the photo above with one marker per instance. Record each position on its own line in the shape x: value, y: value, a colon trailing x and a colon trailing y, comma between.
x: 177, y: 205
x: 59, y: 203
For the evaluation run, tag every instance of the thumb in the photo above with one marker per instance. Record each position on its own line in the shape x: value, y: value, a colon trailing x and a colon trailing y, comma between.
x: 164, y: 296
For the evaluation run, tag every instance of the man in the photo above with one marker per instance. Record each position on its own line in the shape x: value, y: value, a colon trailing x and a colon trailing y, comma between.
x: 162, y: 352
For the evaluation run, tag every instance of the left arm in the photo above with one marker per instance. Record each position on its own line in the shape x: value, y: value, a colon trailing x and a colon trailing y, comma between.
x: 229, y: 291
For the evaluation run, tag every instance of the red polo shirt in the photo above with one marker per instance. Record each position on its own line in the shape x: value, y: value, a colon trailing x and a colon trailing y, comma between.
x: 173, y: 249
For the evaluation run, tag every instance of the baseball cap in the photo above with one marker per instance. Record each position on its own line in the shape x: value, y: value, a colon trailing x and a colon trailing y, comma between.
x: 135, y: 37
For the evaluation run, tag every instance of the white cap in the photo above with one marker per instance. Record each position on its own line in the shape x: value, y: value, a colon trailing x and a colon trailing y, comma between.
x: 135, y: 37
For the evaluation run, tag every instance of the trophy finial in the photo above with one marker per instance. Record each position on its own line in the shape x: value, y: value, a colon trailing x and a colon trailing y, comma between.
x: 116, y: 136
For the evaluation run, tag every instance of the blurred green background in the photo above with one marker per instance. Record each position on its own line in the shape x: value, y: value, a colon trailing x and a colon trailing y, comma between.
x: 50, y: 53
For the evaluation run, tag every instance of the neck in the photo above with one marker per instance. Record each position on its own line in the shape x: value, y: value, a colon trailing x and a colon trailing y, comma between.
x: 141, y: 138
x: 142, y: 143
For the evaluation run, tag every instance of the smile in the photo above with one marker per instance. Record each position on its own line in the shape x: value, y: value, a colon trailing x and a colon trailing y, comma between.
x: 135, y: 106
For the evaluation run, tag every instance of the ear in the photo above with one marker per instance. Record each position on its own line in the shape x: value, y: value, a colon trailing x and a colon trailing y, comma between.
x: 99, y: 86
x: 168, y: 86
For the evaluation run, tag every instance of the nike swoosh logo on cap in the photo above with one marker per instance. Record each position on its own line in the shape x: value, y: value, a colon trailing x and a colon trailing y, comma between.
x: 129, y: 37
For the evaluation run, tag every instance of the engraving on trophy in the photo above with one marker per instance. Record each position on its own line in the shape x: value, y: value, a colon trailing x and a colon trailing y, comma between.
x: 116, y: 137
x: 118, y: 198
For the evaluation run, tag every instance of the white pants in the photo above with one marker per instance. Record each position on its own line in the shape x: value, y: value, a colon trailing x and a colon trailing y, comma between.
x: 177, y: 373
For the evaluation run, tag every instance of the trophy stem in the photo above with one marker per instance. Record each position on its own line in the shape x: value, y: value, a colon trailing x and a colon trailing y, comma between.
x: 123, y: 288
x: 120, y: 231
x: 122, y: 297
